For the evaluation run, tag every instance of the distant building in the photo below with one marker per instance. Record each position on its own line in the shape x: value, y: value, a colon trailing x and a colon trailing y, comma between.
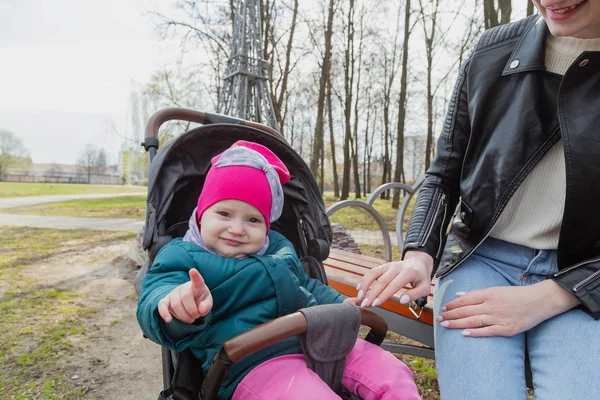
x: 64, y: 173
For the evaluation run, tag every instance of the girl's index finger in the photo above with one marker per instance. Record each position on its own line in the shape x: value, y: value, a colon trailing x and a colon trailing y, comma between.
x: 198, y: 285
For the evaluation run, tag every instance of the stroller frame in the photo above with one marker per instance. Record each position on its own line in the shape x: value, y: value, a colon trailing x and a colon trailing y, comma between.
x: 312, y: 240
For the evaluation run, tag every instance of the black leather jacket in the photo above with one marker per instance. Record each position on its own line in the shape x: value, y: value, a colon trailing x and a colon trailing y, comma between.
x: 506, y: 112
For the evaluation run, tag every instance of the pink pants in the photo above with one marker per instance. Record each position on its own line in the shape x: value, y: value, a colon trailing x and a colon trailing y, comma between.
x: 370, y: 373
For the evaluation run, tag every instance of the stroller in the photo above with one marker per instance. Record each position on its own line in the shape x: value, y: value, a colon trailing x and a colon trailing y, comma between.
x: 176, y: 176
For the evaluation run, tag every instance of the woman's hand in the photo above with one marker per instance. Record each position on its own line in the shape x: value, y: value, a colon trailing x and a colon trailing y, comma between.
x: 188, y: 301
x: 380, y: 283
x: 507, y: 310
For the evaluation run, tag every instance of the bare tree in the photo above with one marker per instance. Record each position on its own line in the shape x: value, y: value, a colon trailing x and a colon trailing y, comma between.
x: 355, y: 140
x: 347, y: 102
x: 336, y: 183
x: 368, y: 153
x: 204, y: 27
x: 530, y: 7
x: 12, y: 152
x: 324, y: 77
x: 92, y: 161
x: 279, y: 84
x: 496, y: 12
x: 399, y: 173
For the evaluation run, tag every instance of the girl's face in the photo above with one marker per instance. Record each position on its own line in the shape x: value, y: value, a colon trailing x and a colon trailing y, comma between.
x: 576, y: 18
x: 233, y: 228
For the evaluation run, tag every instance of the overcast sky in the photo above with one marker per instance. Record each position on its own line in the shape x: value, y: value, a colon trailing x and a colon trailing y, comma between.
x: 66, y: 68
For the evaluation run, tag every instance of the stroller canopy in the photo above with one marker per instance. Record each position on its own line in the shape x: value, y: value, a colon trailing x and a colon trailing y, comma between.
x: 177, y: 175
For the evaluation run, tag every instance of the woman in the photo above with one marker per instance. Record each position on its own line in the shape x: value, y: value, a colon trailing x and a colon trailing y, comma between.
x: 518, y: 159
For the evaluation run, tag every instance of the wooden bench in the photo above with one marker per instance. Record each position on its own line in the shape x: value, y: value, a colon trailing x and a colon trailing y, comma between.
x: 345, y: 269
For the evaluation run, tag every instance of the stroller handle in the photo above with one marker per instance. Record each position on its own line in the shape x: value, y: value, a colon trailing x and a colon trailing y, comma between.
x: 269, y: 333
x: 292, y: 325
x: 183, y: 114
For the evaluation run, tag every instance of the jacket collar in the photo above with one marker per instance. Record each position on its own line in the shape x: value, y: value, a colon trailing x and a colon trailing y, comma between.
x: 530, y: 51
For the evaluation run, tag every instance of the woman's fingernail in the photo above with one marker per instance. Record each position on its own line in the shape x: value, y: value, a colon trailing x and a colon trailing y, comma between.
x: 364, y: 302
x: 375, y: 302
x: 360, y: 294
x: 358, y: 286
x: 439, y: 318
x: 444, y: 324
x: 460, y: 293
x: 466, y: 333
x: 444, y: 309
x: 405, y: 299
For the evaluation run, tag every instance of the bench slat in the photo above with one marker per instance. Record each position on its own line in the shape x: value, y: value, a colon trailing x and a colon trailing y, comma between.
x: 346, y: 280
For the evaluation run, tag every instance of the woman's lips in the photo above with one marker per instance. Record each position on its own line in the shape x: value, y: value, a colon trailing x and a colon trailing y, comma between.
x: 561, y: 14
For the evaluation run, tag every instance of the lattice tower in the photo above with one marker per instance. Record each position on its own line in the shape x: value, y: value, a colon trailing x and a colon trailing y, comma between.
x: 245, y: 92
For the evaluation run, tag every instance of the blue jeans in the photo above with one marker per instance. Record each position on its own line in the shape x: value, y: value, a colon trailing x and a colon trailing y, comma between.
x: 564, y: 351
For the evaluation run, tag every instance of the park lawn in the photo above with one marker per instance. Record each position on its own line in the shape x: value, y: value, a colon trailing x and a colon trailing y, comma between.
x: 111, y: 207
x: 135, y: 207
x: 378, y: 251
x: 40, y: 322
x: 354, y: 218
x: 22, y: 189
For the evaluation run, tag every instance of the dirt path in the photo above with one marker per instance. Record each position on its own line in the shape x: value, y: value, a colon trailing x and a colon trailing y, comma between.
x: 112, y: 360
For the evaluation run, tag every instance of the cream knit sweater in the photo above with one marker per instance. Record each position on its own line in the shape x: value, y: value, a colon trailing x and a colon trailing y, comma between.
x: 533, y: 215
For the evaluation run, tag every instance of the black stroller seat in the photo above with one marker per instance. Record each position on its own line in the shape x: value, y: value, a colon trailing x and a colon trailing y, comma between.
x: 176, y: 176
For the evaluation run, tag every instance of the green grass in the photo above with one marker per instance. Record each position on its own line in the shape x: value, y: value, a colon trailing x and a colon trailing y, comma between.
x: 135, y: 207
x: 112, y: 207
x: 39, y: 321
x: 355, y: 218
x: 20, y: 189
x: 378, y: 251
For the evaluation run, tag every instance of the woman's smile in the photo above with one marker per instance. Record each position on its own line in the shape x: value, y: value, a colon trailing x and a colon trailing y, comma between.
x: 560, y: 14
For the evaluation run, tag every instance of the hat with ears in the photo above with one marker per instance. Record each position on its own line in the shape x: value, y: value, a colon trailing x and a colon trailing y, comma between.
x: 248, y: 172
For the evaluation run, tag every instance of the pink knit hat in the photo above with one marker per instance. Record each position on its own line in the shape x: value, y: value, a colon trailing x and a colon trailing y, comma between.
x: 248, y: 172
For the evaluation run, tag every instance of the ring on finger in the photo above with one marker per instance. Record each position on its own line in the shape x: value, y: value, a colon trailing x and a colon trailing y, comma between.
x: 381, y: 269
x: 483, y: 324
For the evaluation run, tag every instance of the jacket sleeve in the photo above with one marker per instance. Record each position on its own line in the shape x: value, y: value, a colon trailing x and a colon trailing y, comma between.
x: 323, y: 294
x: 169, y: 270
x: 440, y: 192
x: 583, y: 282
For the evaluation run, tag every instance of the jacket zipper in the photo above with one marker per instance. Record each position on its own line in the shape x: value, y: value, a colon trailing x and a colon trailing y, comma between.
x: 430, y: 229
x: 467, y: 256
x: 585, y: 281
x: 572, y: 267
x: 543, y: 152
x: 445, y: 204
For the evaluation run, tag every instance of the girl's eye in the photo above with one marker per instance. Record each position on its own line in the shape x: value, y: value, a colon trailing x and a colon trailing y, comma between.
x: 254, y: 220
x: 223, y: 213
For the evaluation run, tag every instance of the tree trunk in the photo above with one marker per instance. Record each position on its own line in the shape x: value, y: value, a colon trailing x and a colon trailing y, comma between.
x: 355, y: 141
x: 278, y: 99
x: 325, y: 73
x: 495, y: 15
x: 370, y: 155
x: 366, y: 155
x: 429, y: 41
x: 505, y: 10
x: 336, y: 183
x: 489, y: 13
x: 399, y: 173
x: 529, y: 8
x: 348, y: 86
x: 322, y: 170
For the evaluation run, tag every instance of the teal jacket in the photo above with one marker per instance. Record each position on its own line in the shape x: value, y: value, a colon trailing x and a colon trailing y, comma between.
x: 246, y: 293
